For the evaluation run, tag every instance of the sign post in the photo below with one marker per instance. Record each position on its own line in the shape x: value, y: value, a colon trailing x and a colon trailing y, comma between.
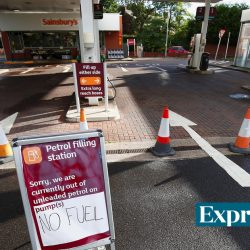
x: 65, y: 190
x: 221, y: 33
x: 131, y: 41
x: 228, y: 39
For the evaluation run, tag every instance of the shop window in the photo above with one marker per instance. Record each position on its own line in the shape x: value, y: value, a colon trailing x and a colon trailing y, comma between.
x: 32, y: 39
x: 50, y: 39
x: 16, y: 42
x: 2, y: 54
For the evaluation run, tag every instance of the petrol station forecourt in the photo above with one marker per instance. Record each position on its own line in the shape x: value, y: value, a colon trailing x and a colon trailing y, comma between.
x: 153, y: 198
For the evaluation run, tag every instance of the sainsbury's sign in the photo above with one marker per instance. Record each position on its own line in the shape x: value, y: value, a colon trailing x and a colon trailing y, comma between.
x: 59, y: 22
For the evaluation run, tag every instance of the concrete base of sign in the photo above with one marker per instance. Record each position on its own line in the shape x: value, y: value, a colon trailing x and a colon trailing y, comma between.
x: 202, y: 72
x: 93, y: 101
x: 94, y: 113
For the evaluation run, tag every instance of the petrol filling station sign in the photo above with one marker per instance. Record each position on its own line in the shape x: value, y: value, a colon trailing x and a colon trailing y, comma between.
x: 65, y: 190
x: 90, y: 79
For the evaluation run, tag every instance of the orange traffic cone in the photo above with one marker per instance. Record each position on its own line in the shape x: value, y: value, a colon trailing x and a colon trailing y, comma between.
x: 162, y: 146
x: 6, y: 153
x: 242, y: 142
x: 83, y: 121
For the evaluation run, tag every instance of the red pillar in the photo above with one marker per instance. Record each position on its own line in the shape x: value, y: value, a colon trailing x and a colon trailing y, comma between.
x: 6, y: 45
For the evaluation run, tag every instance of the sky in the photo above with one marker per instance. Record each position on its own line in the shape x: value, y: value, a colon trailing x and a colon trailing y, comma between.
x: 193, y: 7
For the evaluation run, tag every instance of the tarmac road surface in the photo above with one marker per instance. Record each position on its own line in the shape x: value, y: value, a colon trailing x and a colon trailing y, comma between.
x: 153, y: 206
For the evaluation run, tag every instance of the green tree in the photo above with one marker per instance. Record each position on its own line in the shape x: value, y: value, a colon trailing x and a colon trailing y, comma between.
x: 227, y: 17
x: 153, y: 35
x: 150, y: 18
x: 110, y: 6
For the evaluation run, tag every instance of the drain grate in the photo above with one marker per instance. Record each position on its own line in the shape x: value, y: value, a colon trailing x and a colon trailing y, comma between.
x: 126, y: 151
x: 143, y: 150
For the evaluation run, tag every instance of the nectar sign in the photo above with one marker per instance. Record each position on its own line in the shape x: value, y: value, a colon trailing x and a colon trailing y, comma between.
x: 90, y: 79
x: 67, y: 190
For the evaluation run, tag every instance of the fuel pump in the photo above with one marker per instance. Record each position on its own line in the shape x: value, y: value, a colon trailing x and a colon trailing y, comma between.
x: 194, y: 61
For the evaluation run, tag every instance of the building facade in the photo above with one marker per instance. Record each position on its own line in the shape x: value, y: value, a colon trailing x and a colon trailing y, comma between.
x: 28, y: 36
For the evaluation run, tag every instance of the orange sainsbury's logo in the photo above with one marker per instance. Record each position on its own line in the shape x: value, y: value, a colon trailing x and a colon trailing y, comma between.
x: 32, y: 155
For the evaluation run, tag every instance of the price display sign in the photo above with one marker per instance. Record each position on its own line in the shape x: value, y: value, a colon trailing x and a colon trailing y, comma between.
x: 65, y: 190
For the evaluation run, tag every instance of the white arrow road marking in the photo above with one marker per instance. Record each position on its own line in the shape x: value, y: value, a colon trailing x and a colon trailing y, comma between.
x: 28, y: 70
x: 235, y: 171
x: 178, y: 120
x: 2, y: 71
x: 8, y: 122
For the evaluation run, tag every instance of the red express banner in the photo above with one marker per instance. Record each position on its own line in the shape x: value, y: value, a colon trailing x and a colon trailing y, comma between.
x: 90, y: 79
x: 66, y: 191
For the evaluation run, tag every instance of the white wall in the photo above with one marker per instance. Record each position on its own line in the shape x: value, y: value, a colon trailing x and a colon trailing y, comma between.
x: 110, y: 22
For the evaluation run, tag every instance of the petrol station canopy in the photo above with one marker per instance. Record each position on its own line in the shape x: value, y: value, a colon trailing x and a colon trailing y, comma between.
x: 59, y: 5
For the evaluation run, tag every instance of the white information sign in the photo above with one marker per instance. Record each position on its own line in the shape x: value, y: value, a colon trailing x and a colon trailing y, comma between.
x: 85, y: 216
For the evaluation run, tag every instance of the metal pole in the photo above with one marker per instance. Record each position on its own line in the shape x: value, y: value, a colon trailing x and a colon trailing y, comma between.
x: 217, y: 49
x: 229, y: 34
x: 166, y: 44
x: 76, y: 88
x: 134, y: 49
x: 106, y: 94
x: 128, y: 47
x: 167, y: 37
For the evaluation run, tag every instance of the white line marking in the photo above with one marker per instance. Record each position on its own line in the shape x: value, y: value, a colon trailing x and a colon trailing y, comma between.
x: 221, y: 70
x: 235, y: 171
x: 2, y: 71
x: 28, y: 70
x: 66, y: 69
x: 164, y: 70
x: 124, y: 70
x: 8, y: 122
